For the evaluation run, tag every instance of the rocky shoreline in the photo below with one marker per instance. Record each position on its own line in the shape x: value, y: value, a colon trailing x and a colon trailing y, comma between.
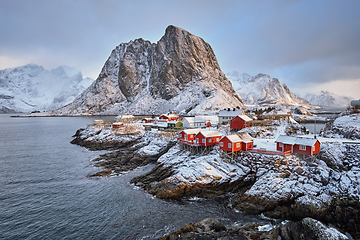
x: 325, y: 188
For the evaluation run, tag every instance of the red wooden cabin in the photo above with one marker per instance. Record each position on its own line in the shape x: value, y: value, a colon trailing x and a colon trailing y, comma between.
x: 147, y: 120
x: 230, y: 143
x: 240, y: 122
x: 208, y: 138
x: 188, y: 135
x: 307, y: 146
x: 169, y: 117
x: 117, y: 125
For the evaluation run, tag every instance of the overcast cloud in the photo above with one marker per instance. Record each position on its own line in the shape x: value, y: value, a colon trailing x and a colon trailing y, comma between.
x: 309, y: 45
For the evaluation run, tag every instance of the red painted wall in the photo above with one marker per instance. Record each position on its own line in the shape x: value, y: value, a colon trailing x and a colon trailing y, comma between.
x: 239, y: 123
x: 287, y: 147
x: 226, y: 142
x: 200, y: 136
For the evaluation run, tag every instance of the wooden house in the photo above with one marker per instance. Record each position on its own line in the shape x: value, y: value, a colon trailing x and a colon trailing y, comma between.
x: 168, y: 117
x: 148, y: 120
x: 188, y: 122
x: 226, y: 115
x: 174, y: 124
x: 235, y: 142
x: 188, y: 135
x: 240, y: 122
x: 302, y: 145
x: 208, y: 138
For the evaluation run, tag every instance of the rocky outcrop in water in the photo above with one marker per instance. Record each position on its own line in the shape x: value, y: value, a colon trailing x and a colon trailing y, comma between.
x: 210, y: 228
x: 179, y: 72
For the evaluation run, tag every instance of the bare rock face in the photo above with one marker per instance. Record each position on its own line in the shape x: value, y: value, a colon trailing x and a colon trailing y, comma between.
x: 179, y: 72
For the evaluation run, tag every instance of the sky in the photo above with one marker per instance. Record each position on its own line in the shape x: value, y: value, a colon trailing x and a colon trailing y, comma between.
x: 309, y: 45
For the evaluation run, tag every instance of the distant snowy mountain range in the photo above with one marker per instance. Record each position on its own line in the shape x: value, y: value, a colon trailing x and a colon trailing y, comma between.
x: 262, y: 89
x: 33, y: 88
x: 327, y: 99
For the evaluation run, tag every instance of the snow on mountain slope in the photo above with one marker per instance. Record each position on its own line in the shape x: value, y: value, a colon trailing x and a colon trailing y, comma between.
x: 179, y: 73
x: 327, y: 99
x: 31, y: 87
x: 262, y: 89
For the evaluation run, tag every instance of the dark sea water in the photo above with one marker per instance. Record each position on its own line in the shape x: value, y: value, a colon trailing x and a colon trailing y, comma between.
x: 45, y: 191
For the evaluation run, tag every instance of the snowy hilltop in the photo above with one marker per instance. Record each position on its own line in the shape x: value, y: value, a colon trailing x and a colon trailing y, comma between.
x: 33, y: 88
x: 262, y: 89
x: 327, y: 99
x: 178, y: 73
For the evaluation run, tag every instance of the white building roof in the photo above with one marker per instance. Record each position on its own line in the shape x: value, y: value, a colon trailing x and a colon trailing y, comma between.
x: 296, y: 140
x: 211, y: 133
x: 191, y: 131
x: 173, y: 121
x: 189, y: 119
x: 245, y: 137
x: 231, y: 113
x: 169, y: 115
x: 233, y: 138
x: 245, y: 118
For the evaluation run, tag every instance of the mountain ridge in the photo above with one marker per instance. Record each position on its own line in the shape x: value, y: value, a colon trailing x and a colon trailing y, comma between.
x: 33, y: 88
x: 178, y: 73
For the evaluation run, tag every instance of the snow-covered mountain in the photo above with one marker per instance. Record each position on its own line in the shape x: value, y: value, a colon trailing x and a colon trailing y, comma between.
x: 179, y: 73
x: 262, y: 89
x: 33, y: 88
x: 327, y: 99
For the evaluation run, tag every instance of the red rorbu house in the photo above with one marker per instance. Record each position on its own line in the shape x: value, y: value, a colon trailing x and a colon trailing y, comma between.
x: 240, y: 122
x: 208, y: 138
x: 234, y: 143
x: 307, y: 146
x: 187, y: 136
x: 147, y: 120
x: 168, y: 117
x: 117, y: 125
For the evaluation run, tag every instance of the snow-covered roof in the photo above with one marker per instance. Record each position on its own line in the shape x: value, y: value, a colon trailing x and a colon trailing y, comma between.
x: 233, y: 138
x: 245, y: 118
x: 231, y: 113
x: 173, y: 121
x: 189, y: 119
x: 296, y: 140
x: 124, y: 116
x: 169, y: 115
x: 245, y: 137
x: 306, y: 141
x: 162, y: 124
x: 191, y: 131
x: 211, y: 133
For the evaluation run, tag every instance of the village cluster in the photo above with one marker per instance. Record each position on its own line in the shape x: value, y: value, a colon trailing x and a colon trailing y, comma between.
x: 200, y: 133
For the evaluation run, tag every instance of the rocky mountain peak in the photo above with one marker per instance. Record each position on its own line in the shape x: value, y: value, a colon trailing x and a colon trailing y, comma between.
x: 179, y: 72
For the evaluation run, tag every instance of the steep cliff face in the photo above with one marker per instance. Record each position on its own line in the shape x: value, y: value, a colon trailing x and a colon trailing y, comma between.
x: 262, y: 88
x: 179, y: 72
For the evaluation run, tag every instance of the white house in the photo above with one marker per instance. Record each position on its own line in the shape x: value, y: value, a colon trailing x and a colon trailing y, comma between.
x: 200, y: 121
x: 227, y: 114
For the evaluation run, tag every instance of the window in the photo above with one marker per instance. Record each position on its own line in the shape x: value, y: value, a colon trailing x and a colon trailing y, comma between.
x: 281, y: 145
x: 197, y: 140
x: 237, y: 145
x: 209, y: 140
x: 313, y: 148
x: 203, y: 140
x: 302, y: 148
x: 221, y: 144
x: 229, y: 145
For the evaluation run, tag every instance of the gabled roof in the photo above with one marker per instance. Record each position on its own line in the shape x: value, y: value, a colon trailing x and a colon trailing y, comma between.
x: 233, y: 138
x: 191, y: 131
x: 211, y: 133
x: 297, y: 140
x: 169, y: 115
x: 245, y: 137
x: 189, y: 119
x: 231, y: 113
x: 306, y: 141
x: 245, y: 118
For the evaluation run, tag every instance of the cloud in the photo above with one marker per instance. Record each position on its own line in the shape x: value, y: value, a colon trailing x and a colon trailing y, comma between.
x: 309, y: 41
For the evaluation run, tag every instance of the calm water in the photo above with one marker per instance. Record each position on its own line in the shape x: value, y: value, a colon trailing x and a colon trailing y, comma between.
x: 45, y: 192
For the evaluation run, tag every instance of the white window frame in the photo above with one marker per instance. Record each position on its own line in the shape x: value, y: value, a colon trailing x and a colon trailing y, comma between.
x: 302, y: 147
x: 229, y: 145
x: 221, y: 144
x: 203, y: 140
x: 209, y: 140
x: 281, y: 145
x: 237, y: 145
